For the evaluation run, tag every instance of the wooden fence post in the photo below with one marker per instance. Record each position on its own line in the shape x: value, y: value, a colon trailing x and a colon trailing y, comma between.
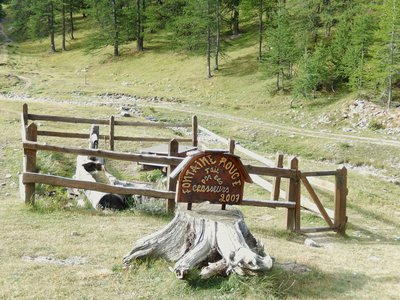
x: 194, y: 131
x: 172, y: 151
x: 276, y: 182
x: 25, y: 114
x: 29, y: 164
x: 231, y: 145
x: 341, y: 191
x: 111, y: 138
x: 293, y: 195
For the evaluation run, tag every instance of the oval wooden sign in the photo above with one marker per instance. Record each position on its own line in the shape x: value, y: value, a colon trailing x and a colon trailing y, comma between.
x: 216, y: 177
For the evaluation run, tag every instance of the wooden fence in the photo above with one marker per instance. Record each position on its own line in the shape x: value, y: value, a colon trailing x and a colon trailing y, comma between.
x: 293, y: 198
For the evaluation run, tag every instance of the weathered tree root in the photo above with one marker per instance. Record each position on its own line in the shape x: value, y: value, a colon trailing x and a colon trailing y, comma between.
x: 219, y: 238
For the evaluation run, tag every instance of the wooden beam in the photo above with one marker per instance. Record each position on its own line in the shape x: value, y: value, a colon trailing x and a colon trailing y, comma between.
x: 340, y: 200
x: 152, y: 124
x: 29, y: 164
x: 273, y: 204
x: 144, y: 158
x: 172, y: 151
x: 150, y: 139
x: 292, y: 195
x: 35, y: 117
x: 316, y: 200
x: 25, y: 114
x: 267, y: 171
x: 194, y: 131
x: 276, y: 182
x: 29, y: 177
x: 111, y: 133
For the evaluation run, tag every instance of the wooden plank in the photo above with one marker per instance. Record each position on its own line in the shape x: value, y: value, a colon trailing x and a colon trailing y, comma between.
x: 25, y: 114
x: 29, y: 164
x: 152, y: 124
x: 111, y: 133
x: 29, y: 177
x: 276, y: 182
x: 291, y: 195
x: 63, y: 134
x: 316, y: 200
x: 272, y: 204
x: 149, y: 139
x: 35, y: 117
x: 194, y: 131
x: 104, y: 153
x: 267, y: 171
x: 340, y: 200
x: 319, y: 173
x: 172, y: 151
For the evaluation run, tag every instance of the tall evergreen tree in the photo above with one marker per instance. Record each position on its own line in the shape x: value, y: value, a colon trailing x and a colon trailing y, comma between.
x: 282, y: 51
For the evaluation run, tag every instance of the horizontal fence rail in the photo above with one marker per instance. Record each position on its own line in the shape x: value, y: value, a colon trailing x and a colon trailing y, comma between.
x: 29, y: 177
x: 143, y: 158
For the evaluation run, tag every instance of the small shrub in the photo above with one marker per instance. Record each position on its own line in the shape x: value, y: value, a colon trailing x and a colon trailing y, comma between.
x: 375, y: 125
x: 344, y: 146
x: 151, y: 176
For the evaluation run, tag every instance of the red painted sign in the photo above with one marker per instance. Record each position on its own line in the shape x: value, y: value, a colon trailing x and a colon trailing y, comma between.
x: 212, y: 176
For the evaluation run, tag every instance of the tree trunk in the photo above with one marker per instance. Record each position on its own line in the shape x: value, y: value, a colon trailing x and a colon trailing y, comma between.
x: 71, y: 20
x: 219, y: 238
x: 139, y: 37
x: 93, y: 171
x: 236, y: 17
x: 116, y: 32
x: 63, y: 27
x: 218, y: 37
x: 391, y: 68
x: 260, y: 29
x: 208, y: 40
x: 277, y: 77
x: 51, y: 25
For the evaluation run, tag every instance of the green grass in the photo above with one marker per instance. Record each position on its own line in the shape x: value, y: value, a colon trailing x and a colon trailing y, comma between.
x: 235, y: 103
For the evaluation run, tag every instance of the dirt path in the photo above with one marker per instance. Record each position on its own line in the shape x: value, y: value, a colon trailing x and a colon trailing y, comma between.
x: 283, y: 129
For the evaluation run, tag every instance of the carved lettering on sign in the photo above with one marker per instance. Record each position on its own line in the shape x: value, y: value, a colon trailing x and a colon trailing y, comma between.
x: 212, y: 176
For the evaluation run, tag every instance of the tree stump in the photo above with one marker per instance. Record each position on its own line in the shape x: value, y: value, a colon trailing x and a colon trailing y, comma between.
x: 217, y: 240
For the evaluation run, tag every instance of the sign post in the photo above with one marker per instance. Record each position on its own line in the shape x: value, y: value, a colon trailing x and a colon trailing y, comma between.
x: 214, y: 176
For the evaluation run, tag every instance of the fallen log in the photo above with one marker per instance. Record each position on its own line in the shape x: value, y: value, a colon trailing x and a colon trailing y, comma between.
x: 93, y: 171
x: 217, y: 240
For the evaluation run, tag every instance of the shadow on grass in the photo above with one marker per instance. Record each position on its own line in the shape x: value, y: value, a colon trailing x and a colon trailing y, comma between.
x: 279, y: 284
x: 240, y: 66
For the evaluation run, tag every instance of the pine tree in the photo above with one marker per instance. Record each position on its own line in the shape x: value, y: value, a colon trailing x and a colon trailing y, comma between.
x: 2, y: 13
x: 385, y: 53
x: 110, y: 16
x: 282, y: 51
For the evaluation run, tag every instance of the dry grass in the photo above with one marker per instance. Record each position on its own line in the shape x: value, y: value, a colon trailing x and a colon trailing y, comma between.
x: 362, y: 265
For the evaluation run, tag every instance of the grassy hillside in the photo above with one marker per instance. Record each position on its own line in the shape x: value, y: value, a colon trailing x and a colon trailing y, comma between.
x: 235, y: 103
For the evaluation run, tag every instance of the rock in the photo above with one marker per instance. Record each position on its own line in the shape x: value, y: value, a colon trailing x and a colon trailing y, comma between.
x: 347, y: 129
x: 7, y: 194
x: 8, y: 176
x: 2, y: 184
x: 311, y: 243
x: 74, y: 233
x: 125, y: 114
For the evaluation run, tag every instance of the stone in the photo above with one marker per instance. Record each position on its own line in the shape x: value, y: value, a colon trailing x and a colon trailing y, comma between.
x: 311, y: 243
